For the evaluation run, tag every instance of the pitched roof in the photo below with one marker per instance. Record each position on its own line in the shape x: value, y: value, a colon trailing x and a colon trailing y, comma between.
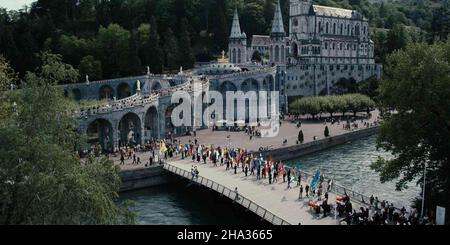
x: 336, y: 12
x: 258, y: 40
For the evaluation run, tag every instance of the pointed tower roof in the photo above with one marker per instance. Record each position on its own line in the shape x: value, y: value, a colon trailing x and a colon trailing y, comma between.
x: 236, y: 28
x: 277, y: 24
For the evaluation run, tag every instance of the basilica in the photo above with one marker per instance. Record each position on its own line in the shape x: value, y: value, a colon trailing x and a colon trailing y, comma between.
x: 324, y: 45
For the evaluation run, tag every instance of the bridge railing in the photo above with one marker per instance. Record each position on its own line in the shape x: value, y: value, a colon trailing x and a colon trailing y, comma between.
x: 336, y: 188
x: 236, y: 197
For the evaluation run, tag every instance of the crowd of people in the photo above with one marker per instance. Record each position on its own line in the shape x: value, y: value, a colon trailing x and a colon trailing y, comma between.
x: 240, y: 161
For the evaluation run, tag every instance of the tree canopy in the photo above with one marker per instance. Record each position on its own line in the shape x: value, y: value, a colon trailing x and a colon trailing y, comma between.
x: 42, y: 179
x: 77, y: 29
x: 417, y: 129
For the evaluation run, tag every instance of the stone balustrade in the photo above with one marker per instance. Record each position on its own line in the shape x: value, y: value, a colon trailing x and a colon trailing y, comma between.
x: 136, y: 100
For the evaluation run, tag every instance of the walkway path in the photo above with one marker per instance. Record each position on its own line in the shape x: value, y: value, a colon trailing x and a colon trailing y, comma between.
x: 275, y: 198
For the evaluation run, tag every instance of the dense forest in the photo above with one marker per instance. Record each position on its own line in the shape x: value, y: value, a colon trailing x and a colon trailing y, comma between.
x: 115, y: 38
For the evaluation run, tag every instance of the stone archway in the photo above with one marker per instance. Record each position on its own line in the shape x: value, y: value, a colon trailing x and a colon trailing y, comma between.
x: 75, y: 94
x: 123, y: 91
x: 100, y: 132
x: 151, y: 123
x: 156, y: 86
x: 106, y: 92
x: 130, y: 129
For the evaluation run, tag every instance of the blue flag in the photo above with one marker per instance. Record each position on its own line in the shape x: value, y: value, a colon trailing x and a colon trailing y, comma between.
x: 315, y: 180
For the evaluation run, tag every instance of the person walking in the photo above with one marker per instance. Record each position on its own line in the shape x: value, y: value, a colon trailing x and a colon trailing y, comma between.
x: 236, y: 198
x: 299, y: 179
x: 301, y: 192
x: 289, y: 178
x: 122, y: 158
x: 235, y: 168
x: 307, y: 190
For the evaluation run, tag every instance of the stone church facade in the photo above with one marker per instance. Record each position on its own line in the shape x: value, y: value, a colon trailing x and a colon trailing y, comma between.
x: 324, y: 45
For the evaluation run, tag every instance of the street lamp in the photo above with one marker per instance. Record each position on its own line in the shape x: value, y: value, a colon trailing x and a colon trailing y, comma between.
x: 424, y: 187
x: 424, y: 183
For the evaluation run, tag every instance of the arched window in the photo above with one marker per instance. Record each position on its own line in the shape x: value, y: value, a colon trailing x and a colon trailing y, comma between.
x: 357, y: 30
x: 233, y: 56
x: 277, y: 54
x: 334, y: 28
x: 348, y: 29
x: 342, y: 29
x: 326, y: 28
x: 320, y: 27
x: 239, y: 56
x: 282, y: 53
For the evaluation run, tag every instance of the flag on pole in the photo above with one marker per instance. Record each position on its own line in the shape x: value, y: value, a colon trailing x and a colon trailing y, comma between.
x: 162, y: 148
x: 315, y: 180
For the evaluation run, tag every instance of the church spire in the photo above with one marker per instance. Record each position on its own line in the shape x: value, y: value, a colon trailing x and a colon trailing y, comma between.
x: 277, y: 24
x: 236, y: 28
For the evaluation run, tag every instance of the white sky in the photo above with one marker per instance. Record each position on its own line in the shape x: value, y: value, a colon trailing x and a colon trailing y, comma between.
x: 14, y: 4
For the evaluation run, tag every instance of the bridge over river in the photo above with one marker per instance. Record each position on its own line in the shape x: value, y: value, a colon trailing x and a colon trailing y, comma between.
x: 273, y: 203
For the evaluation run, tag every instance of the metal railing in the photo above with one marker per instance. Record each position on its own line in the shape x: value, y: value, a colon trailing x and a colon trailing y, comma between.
x: 336, y: 188
x: 236, y: 197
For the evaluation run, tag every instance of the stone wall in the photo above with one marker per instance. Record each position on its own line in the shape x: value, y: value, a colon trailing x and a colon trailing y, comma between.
x: 143, y: 178
x: 296, y: 151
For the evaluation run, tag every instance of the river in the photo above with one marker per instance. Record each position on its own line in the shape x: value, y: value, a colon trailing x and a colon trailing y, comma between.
x: 349, y: 165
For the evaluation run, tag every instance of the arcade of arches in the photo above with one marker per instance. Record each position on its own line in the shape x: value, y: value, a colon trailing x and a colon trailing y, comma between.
x: 130, y: 129
x: 100, y: 132
x: 123, y: 91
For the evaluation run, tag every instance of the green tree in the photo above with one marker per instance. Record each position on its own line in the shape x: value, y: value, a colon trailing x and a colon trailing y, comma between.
x: 42, y: 178
x: 91, y: 67
x: 301, y: 137
x: 256, y: 56
x: 417, y: 86
x: 7, y: 75
x: 171, y: 52
x: 113, y: 45
x: 397, y: 38
x: 187, y: 58
x: 154, y: 50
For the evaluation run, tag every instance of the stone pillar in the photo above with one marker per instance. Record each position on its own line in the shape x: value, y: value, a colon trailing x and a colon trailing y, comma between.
x: 115, y: 134
x: 162, y: 121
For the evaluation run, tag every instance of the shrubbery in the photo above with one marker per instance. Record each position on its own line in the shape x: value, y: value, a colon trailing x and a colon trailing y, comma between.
x: 332, y: 104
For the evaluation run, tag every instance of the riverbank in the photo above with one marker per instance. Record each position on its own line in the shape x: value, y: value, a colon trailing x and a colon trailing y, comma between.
x: 296, y: 151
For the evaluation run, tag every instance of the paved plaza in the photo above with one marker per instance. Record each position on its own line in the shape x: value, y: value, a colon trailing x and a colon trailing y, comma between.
x: 288, y: 130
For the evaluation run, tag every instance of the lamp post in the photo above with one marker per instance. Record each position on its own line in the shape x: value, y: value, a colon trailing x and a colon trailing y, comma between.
x: 424, y: 187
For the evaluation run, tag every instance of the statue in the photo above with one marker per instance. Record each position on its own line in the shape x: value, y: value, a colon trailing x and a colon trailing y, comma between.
x: 181, y: 70
x: 148, y: 70
x: 87, y: 79
x: 222, y: 60
x: 138, y: 85
x: 12, y: 87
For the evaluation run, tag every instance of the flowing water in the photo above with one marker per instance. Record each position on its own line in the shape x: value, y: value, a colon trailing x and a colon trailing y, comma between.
x: 349, y: 165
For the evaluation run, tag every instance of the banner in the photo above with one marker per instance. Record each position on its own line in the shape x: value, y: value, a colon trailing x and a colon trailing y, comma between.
x: 440, y: 215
